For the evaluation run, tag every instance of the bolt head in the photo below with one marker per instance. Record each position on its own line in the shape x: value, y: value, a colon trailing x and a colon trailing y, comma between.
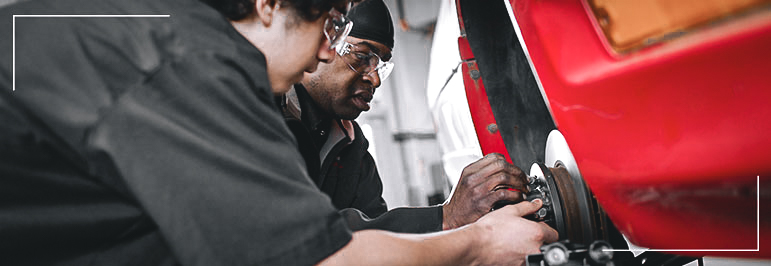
x: 542, y: 213
x: 492, y: 128
x: 474, y: 74
x: 556, y: 256
x: 598, y: 253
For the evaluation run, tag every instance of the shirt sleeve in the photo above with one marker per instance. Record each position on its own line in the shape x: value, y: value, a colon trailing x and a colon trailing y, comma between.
x: 369, y: 191
x: 204, y: 151
x: 370, y: 203
x: 400, y: 220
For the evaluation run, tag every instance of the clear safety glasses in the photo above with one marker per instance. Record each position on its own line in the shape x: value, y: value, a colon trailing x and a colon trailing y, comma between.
x: 363, y: 61
x: 336, y: 29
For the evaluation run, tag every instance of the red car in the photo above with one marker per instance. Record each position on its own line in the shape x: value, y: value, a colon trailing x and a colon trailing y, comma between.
x: 656, y: 115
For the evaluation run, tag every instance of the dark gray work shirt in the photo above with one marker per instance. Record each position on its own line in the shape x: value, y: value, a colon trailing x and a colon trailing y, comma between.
x: 148, y: 141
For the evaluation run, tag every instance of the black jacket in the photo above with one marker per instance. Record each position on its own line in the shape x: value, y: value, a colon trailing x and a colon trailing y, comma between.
x: 335, y: 152
x: 148, y: 141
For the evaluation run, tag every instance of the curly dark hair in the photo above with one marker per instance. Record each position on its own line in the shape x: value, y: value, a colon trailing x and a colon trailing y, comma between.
x: 309, y: 10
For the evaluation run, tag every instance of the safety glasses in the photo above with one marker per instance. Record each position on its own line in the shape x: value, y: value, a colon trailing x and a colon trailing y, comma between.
x: 336, y: 29
x: 363, y: 61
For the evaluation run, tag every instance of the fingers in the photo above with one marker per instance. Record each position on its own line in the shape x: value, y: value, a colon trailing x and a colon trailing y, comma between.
x: 549, y: 234
x: 503, y: 195
x: 481, y: 163
x: 496, y: 164
x: 523, y: 208
x: 486, y: 182
x: 505, y: 174
x: 491, y: 171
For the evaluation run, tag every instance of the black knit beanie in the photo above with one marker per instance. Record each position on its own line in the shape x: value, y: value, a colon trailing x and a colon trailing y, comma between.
x: 372, y: 21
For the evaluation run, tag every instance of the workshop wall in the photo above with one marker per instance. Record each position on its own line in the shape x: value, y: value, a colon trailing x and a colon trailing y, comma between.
x: 406, y: 149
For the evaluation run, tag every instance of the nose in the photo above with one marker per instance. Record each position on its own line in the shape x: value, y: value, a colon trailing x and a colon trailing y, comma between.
x: 373, y: 78
x: 326, y: 54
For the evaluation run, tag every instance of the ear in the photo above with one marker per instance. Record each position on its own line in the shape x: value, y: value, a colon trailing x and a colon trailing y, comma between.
x: 265, y: 9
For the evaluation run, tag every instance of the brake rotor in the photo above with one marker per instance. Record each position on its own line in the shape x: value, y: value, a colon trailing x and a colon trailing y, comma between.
x: 571, y: 208
x: 568, y: 211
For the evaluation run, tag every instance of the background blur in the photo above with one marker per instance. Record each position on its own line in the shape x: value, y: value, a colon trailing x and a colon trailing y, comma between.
x: 420, y: 123
x: 418, y: 162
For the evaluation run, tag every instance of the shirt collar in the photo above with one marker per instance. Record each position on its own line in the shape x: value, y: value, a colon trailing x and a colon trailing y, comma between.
x: 300, y: 105
x: 309, y: 113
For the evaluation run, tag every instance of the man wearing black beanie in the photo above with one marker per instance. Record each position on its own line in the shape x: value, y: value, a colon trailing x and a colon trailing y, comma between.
x: 320, y: 113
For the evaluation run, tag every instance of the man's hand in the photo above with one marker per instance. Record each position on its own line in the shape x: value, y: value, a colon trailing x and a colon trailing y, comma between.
x: 481, y: 185
x: 505, y: 238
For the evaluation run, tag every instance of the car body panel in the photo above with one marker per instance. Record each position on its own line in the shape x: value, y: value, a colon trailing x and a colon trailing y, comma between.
x: 671, y: 138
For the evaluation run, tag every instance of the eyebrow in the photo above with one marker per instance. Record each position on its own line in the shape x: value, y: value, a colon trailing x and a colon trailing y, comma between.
x: 343, y: 8
x: 374, y: 49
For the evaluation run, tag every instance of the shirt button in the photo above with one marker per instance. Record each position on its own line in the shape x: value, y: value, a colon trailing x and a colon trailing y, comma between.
x: 321, y: 132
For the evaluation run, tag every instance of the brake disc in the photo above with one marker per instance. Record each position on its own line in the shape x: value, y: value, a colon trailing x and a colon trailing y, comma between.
x: 569, y: 205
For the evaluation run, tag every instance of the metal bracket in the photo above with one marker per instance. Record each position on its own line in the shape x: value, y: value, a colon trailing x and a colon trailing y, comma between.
x: 565, y: 253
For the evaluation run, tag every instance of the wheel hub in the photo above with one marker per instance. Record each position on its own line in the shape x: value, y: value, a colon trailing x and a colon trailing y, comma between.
x: 571, y: 208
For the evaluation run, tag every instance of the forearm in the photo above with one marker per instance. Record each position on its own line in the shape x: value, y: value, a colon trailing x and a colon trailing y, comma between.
x: 502, y: 237
x: 374, y: 247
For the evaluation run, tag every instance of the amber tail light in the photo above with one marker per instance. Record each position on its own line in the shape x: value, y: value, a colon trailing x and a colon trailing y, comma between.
x: 634, y: 24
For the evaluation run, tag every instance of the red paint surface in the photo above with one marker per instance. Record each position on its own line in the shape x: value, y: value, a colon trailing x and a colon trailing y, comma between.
x: 670, y: 138
x: 476, y: 95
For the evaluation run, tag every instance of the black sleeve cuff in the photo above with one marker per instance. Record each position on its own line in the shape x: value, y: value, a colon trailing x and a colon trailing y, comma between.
x: 400, y: 220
